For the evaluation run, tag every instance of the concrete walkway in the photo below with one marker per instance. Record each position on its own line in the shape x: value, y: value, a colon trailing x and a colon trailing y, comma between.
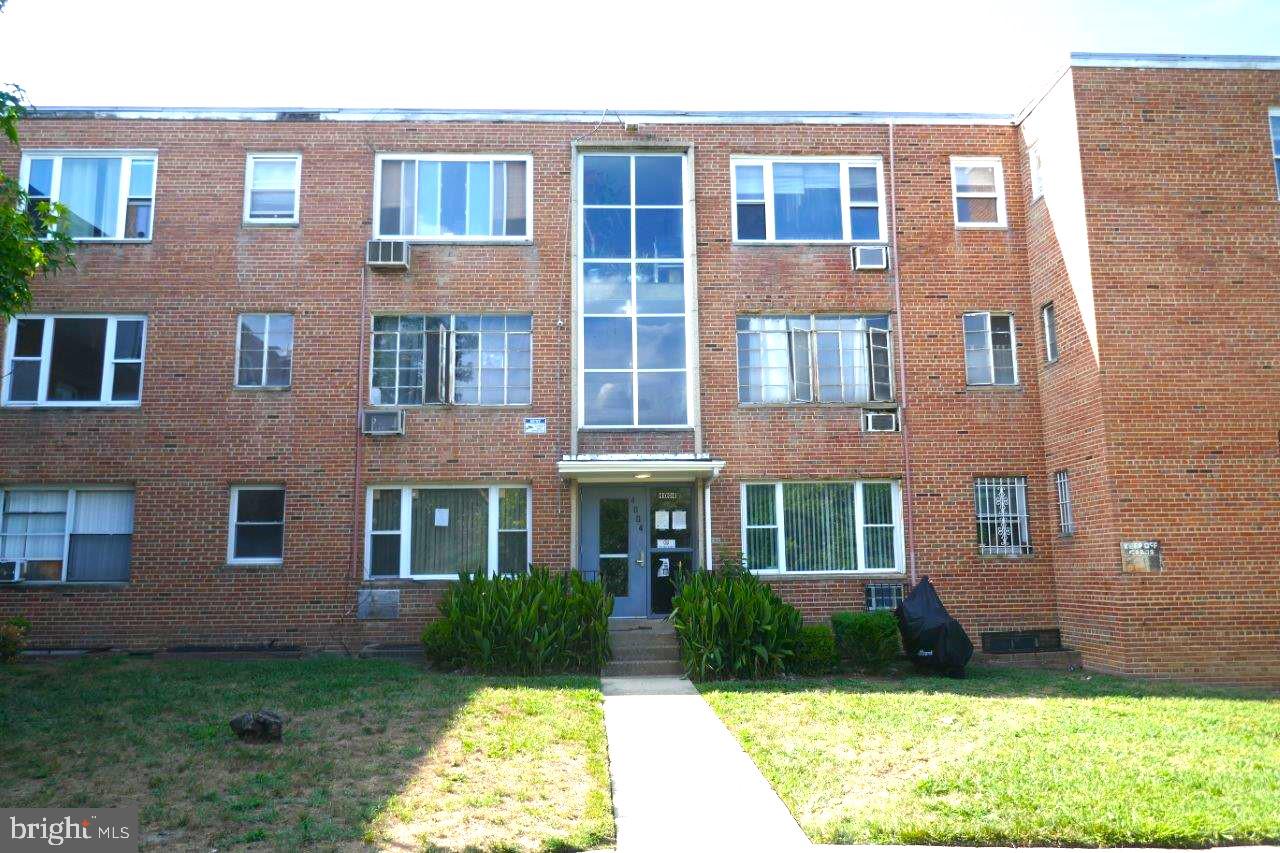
x: 680, y: 780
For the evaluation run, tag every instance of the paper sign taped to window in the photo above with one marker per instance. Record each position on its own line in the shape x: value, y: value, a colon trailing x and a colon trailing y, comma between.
x: 662, y: 520
x: 678, y: 521
x: 664, y: 567
x: 666, y: 543
x: 442, y: 516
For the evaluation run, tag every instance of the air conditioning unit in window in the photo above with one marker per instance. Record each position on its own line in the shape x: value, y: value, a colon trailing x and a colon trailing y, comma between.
x: 869, y: 257
x: 876, y: 420
x: 387, y: 253
x: 388, y: 422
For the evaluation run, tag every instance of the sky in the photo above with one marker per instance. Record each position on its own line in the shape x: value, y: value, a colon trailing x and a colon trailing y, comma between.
x: 652, y: 54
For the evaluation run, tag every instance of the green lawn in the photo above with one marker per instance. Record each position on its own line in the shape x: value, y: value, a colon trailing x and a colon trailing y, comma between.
x: 375, y: 752
x: 1014, y: 757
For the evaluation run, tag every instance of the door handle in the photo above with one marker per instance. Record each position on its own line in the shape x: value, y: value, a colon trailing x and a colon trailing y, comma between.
x: 639, y: 561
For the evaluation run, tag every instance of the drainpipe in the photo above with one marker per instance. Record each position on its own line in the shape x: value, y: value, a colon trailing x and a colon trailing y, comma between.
x: 357, y: 523
x: 903, y: 419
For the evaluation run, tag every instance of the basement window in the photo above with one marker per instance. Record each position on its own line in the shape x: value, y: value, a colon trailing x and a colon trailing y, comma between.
x: 814, y: 358
x: 59, y: 535
x: 882, y: 596
x: 808, y: 200
x: 74, y: 360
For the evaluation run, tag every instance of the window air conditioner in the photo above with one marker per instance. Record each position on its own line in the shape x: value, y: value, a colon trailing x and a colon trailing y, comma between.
x: 870, y: 257
x: 388, y: 422
x: 387, y: 253
x: 879, y: 421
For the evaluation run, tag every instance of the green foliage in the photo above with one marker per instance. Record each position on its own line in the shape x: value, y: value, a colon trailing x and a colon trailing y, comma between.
x: 29, y: 242
x: 815, y: 651
x: 439, y: 645
x: 13, y: 638
x: 731, y: 625
x: 527, y: 624
x: 867, y: 641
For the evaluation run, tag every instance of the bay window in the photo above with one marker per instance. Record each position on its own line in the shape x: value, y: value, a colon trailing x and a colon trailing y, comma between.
x: 853, y: 526
x: 74, y: 360
x: 808, y: 199
x: 71, y: 535
x: 109, y: 195
x: 453, y: 197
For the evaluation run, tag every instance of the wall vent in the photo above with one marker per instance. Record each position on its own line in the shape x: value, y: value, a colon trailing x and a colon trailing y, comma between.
x: 1016, y: 642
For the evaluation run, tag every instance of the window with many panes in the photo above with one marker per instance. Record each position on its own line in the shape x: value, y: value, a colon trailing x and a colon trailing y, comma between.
x: 257, y: 525
x: 264, y: 351
x: 823, y: 527
x: 977, y: 192
x: 108, y: 195
x: 808, y: 199
x: 74, y: 360
x: 77, y: 535
x: 1001, y: 506
x: 271, y: 188
x: 807, y: 358
x: 465, y: 359
x: 1049, y: 322
x: 443, y: 531
x: 634, y: 301
x: 1066, y: 518
x: 989, y: 349
x: 453, y: 197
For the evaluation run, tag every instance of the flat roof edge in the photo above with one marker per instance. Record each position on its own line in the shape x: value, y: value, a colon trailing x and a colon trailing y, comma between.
x: 1174, y: 60
x: 543, y: 116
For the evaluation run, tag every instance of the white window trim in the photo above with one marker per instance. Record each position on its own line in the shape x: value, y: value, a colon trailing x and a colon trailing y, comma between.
x: 1052, y: 351
x: 406, y: 526
x: 419, y: 156
x: 846, y: 224
x: 1035, y: 168
x: 1001, y: 216
x: 232, y: 559
x: 267, y: 343
x: 68, y: 523
x: 56, y: 182
x: 250, y: 161
x: 46, y: 357
x: 991, y: 351
x: 690, y: 313
x: 814, y: 385
x: 1272, y: 115
x: 899, y: 533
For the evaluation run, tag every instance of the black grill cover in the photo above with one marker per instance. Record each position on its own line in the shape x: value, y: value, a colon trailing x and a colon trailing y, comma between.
x: 931, y: 638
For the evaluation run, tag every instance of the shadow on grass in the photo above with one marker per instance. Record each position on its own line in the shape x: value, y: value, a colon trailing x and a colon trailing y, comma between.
x: 363, y: 741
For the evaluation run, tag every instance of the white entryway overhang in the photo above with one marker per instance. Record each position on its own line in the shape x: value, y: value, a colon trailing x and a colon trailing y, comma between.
x: 639, y: 468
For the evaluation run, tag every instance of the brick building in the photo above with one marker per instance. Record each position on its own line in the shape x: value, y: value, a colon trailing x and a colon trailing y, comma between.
x: 630, y: 344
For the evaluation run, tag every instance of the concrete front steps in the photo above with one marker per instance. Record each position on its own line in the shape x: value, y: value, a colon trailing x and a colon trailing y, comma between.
x: 642, y: 647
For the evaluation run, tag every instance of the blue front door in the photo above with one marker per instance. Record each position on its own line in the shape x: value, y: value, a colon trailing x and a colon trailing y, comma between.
x: 614, y: 544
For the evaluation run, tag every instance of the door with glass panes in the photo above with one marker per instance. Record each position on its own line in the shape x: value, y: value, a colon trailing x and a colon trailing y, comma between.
x: 613, y: 545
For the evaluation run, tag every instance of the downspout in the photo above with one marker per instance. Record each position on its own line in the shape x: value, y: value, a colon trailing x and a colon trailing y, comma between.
x: 903, y: 420
x: 357, y: 523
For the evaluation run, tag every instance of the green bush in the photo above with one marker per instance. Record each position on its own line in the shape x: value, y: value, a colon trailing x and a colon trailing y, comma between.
x: 815, y: 651
x: 867, y: 641
x: 13, y: 638
x: 731, y: 625
x: 526, y: 624
x: 439, y: 645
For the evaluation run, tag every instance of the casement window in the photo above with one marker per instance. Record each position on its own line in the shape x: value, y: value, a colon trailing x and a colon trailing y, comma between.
x: 811, y: 200
x: 1001, y: 506
x: 1275, y: 146
x: 468, y: 360
x: 442, y: 531
x: 1049, y: 321
x: 71, y: 535
x: 257, y: 525
x: 453, y: 197
x: 977, y: 192
x: 74, y: 360
x: 1036, y: 168
x: 272, y: 184
x: 109, y: 195
x: 989, y: 349
x: 264, y: 351
x: 882, y: 596
x: 808, y: 358
x: 823, y: 526
x: 1066, y: 518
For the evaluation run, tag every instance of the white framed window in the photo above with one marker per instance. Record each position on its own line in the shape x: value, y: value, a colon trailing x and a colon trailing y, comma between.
x: 272, y: 189
x: 74, y: 360
x: 1001, y: 507
x: 809, y: 527
x: 264, y: 351
x: 808, y: 199
x: 256, y: 532
x: 465, y: 359
x: 990, y: 349
x: 109, y: 195
x: 1035, y: 168
x: 441, y: 531
x: 1275, y: 145
x: 82, y: 534
x: 1066, y: 518
x: 453, y: 197
x: 977, y: 192
x: 1049, y: 322
x: 807, y: 358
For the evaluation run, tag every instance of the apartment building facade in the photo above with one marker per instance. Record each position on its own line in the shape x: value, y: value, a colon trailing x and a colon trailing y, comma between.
x: 311, y: 365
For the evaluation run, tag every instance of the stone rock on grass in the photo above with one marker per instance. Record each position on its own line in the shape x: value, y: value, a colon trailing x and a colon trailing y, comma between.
x: 259, y: 727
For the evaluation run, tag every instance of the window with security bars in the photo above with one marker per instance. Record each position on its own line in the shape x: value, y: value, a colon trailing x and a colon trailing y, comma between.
x: 1066, y: 519
x: 814, y: 358
x: 468, y: 360
x: 822, y: 527
x: 1001, y: 505
x: 882, y: 596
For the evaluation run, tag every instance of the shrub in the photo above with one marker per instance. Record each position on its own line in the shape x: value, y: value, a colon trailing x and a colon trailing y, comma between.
x: 439, y: 645
x: 527, y: 624
x: 868, y: 641
x: 731, y: 625
x: 815, y: 651
x: 13, y: 638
